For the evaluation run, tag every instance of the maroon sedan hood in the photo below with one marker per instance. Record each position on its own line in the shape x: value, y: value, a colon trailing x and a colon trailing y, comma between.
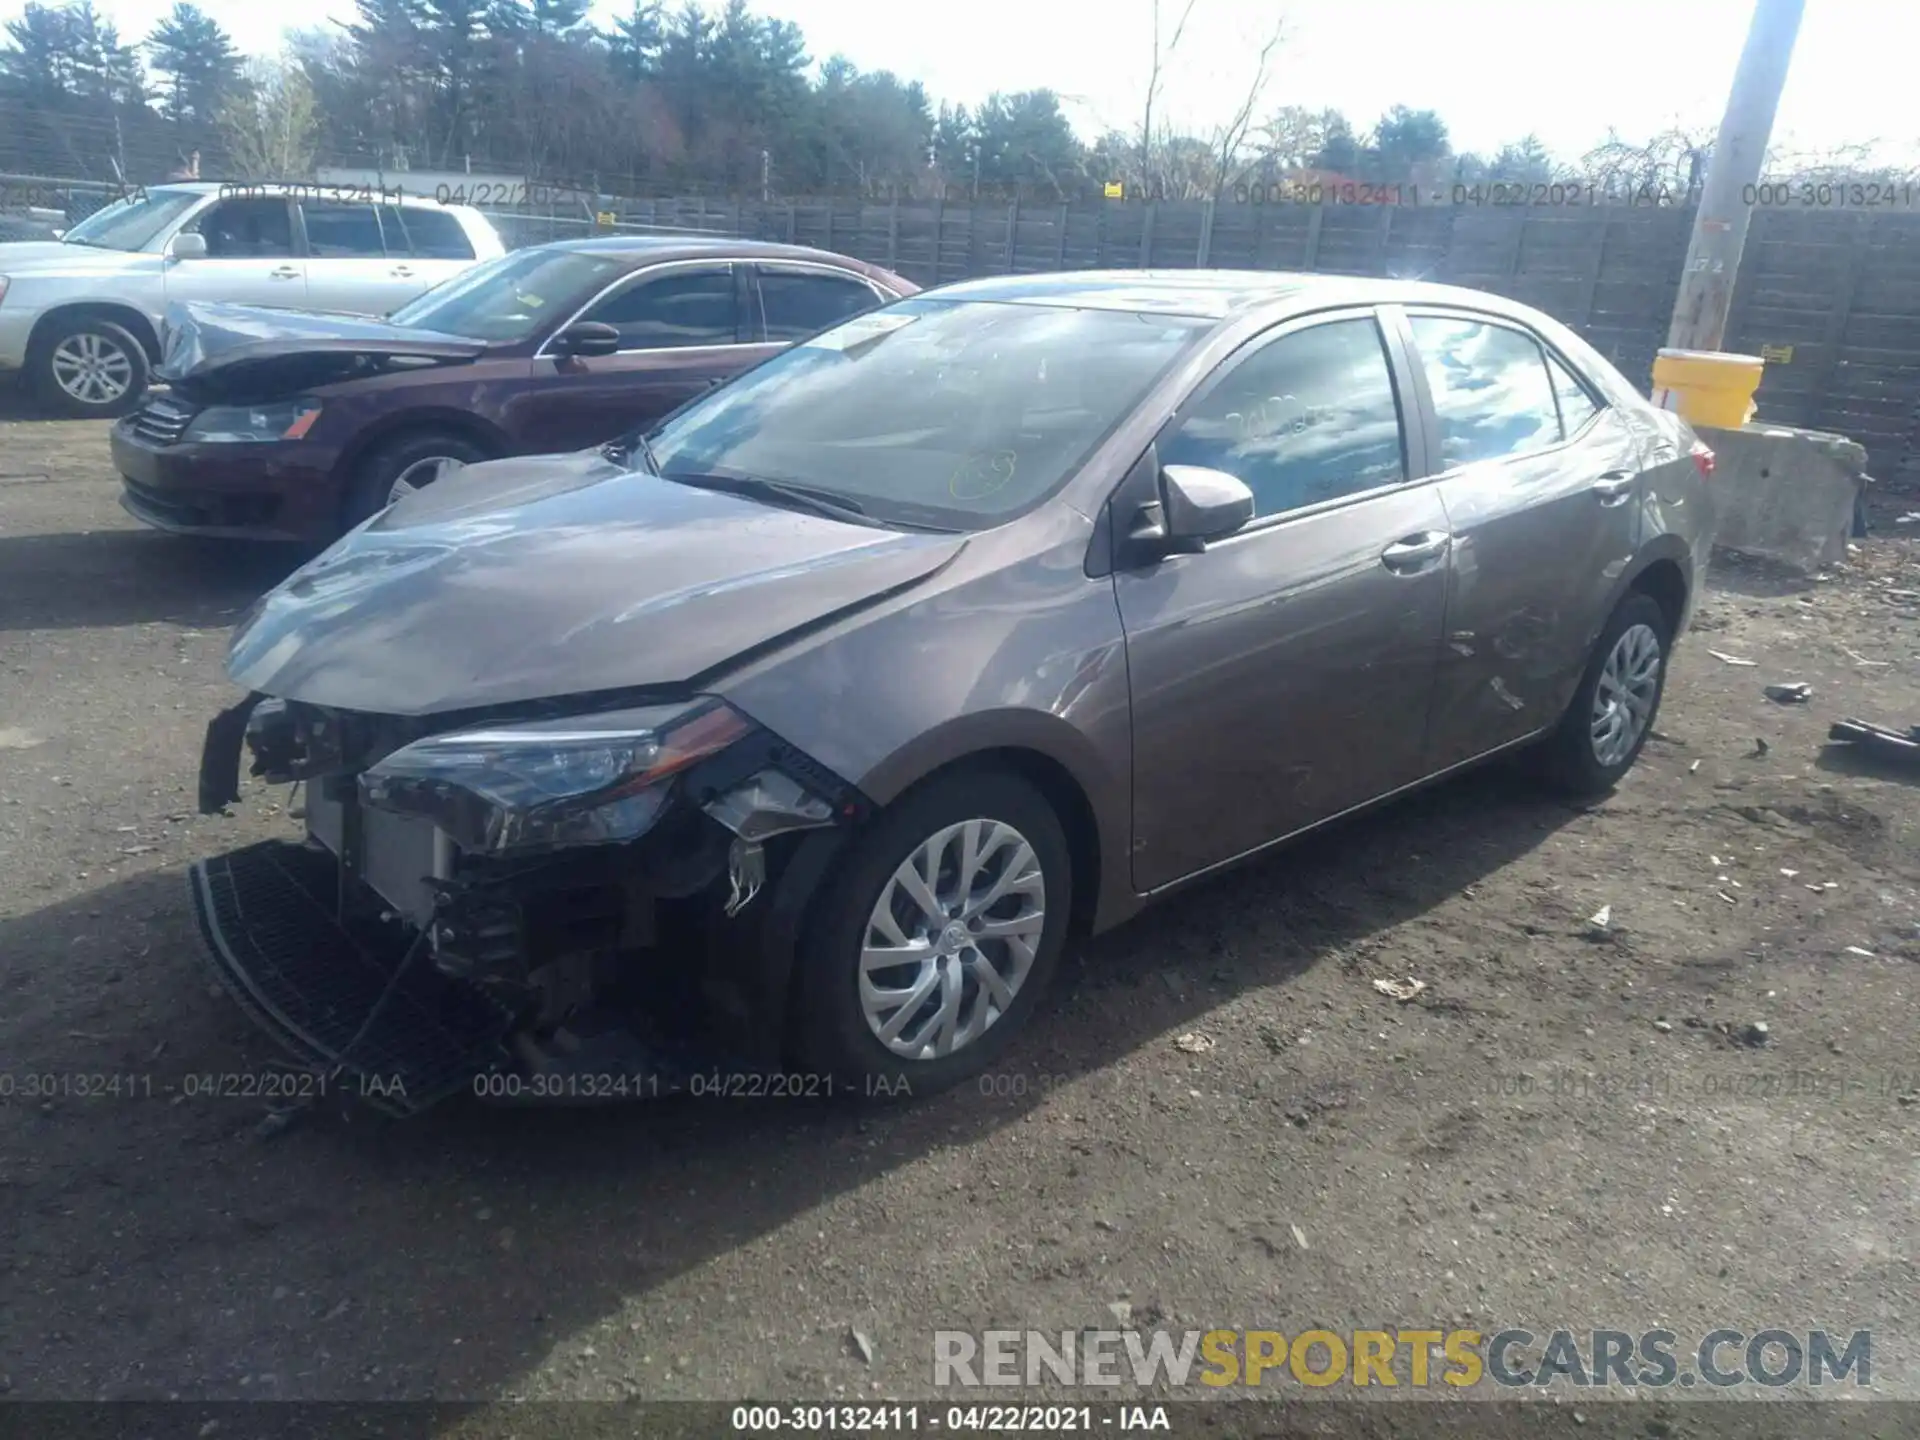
x: 250, y: 352
x: 559, y: 575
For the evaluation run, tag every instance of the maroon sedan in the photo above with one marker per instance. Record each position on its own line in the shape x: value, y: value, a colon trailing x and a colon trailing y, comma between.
x: 287, y: 426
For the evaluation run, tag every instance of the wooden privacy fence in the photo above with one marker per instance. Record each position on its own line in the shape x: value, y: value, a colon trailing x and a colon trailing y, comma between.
x: 1832, y: 297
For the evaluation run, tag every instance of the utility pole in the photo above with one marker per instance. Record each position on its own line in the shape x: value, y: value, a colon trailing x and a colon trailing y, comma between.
x: 1739, y: 152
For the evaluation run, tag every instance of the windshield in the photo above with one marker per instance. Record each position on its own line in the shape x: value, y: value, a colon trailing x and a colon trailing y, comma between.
x: 131, y: 223
x: 949, y: 413
x: 513, y: 297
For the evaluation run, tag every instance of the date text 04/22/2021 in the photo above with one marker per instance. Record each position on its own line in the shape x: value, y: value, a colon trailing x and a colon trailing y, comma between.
x: 889, y: 1418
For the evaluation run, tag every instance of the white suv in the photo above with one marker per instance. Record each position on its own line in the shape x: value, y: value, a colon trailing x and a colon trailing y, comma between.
x: 80, y: 316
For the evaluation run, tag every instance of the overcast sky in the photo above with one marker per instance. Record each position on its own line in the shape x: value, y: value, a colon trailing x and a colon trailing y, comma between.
x: 1494, y: 69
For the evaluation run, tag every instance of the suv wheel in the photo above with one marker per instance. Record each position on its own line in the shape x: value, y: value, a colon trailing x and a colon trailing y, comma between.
x: 1613, y: 711
x: 402, y: 465
x: 89, y: 367
x: 936, y: 937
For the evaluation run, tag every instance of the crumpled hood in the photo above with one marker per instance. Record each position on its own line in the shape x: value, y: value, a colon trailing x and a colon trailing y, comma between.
x: 555, y: 575
x: 53, y: 257
x: 216, y: 349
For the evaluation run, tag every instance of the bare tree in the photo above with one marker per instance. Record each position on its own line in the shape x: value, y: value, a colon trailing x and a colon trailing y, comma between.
x: 1161, y: 58
x: 272, y: 127
x: 1230, y: 138
x: 1673, y: 160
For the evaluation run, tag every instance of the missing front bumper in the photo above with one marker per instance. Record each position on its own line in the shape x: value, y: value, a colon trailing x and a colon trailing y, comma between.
x: 267, y: 913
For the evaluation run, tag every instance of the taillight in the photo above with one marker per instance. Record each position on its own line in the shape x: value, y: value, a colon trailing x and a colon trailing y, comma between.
x: 1702, y: 459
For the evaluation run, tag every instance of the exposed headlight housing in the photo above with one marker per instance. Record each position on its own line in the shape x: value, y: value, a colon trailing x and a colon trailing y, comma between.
x: 280, y: 420
x: 593, y: 780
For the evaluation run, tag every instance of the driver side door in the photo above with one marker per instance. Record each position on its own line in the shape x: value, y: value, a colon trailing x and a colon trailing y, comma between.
x: 1282, y: 674
x: 251, y: 255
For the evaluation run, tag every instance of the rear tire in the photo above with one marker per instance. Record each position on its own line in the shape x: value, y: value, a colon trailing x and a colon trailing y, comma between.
x: 88, y: 367
x: 984, y: 961
x: 407, y: 457
x: 1614, y: 710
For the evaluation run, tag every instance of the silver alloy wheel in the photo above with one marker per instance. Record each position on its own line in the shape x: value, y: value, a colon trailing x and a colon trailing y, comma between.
x: 1623, y: 700
x: 92, y: 368
x: 952, y: 938
x: 417, y: 476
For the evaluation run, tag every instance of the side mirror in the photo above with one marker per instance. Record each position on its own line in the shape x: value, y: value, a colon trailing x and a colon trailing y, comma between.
x: 1203, y: 504
x: 188, y: 245
x: 586, y: 339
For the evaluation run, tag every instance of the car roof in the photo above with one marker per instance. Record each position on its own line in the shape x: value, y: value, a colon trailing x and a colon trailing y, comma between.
x: 695, y: 247
x: 1216, y: 294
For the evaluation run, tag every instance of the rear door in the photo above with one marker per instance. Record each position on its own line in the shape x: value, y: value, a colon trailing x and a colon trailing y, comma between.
x: 1540, y: 480
x: 348, y: 268
x: 424, y: 246
x: 251, y: 259
x: 792, y: 301
x: 684, y: 328
x: 1283, y: 674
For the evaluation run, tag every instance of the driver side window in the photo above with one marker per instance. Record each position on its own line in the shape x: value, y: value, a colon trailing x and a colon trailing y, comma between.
x: 1309, y: 417
x: 689, y: 307
x: 247, y: 229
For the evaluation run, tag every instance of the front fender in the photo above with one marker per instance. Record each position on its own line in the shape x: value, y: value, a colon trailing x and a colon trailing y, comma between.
x: 1061, y: 756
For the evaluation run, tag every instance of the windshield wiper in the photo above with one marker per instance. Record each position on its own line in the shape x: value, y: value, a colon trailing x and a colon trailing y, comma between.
x: 776, y: 492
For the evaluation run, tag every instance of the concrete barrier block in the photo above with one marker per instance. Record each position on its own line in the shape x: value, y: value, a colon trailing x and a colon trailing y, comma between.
x: 1784, y: 494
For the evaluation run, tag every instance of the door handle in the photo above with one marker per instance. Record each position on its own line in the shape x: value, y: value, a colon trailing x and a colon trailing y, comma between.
x: 285, y: 272
x: 1415, y: 552
x: 1616, y: 486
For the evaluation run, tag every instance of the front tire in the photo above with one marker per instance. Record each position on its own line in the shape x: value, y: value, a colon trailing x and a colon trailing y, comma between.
x: 89, y: 368
x: 406, y: 462
x: 1614, y: 710
x: 936, y: 937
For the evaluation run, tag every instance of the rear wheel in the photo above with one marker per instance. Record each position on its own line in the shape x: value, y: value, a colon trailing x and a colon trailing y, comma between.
x: 402, y: 465
x: 936, y: 937
x: 1613, y: 711
x: 89, y: 367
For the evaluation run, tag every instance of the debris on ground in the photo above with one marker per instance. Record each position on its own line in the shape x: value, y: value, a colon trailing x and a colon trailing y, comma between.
x: 1401, y: 990
x: 1601, y: 918
x: 1194, y: 1043
x: 1796, y: 693
x: 1122, y: 1313
x: 1901, y: 747
x: 1760, y: 748
x: 1299, y: 1236
x: 1731, y: 659
x: 862, y: 1346
x: 1857, y: 950
x: 1756, y: 1033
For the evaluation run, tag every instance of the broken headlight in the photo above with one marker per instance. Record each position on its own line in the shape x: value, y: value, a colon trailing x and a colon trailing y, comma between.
x: 591, y: 780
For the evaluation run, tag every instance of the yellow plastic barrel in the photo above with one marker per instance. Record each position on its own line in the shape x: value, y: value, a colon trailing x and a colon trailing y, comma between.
x: 1707, y: 387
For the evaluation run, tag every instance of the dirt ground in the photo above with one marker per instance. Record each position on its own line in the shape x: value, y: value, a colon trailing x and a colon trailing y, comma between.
x: 1569, y: 1126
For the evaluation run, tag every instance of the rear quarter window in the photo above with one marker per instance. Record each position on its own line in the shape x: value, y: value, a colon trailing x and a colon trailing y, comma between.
x: 425, y: 234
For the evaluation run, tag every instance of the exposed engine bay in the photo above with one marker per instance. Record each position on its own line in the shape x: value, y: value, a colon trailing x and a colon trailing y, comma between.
x: 545, y: 896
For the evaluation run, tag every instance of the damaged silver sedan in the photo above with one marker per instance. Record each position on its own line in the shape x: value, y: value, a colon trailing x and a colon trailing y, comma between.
x: 796, y: 736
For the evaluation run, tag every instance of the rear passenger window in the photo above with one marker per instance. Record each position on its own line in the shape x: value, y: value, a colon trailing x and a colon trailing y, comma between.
x: 799, y: 304
x: 424, y: 234
x: 342, y: 232
x: 1491, y: 391
x: 1576, y: 404
x: 1309, y: 417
